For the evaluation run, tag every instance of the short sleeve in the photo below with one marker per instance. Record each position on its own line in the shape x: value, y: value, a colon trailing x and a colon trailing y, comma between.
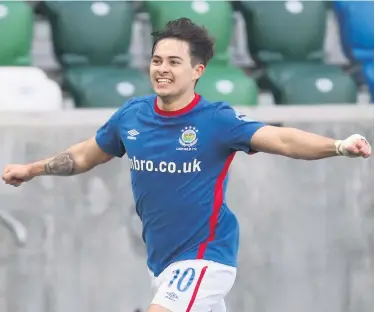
x: 235, y: 128
x: 108, y: 136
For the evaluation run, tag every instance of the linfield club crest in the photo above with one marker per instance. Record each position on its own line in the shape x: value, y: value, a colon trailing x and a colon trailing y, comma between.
x: 188, y: 137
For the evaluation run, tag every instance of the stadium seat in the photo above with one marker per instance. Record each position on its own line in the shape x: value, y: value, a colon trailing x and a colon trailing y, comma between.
x: 16, y: 32
x: 28, y: 89
x: 21, y: 72
x: 311, y: 83
x: 98, y: 87
x: 368, y: 72
x: 216, y: 16
x: 284, y: 30
x: 287, y: 39
x: 229, y: 84
x: 356, y: 24
x: 90, y: 32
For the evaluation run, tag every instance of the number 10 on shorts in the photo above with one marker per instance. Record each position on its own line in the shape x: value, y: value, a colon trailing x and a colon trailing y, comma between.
x: 182, y: 281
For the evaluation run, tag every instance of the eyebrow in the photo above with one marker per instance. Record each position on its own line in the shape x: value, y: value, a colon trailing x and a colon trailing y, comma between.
x: 170, y: 57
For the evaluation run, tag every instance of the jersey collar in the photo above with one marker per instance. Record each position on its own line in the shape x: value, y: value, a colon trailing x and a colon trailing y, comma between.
x: 178, y: 112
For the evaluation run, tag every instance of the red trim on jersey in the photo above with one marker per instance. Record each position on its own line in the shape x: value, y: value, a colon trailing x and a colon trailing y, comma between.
x: 218, y: 201
x: 195, y: 292
x: 181, y: 111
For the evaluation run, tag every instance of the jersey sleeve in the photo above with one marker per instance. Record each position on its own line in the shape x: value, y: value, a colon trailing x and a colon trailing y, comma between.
x: 235, y: 129
x: 108, y: 136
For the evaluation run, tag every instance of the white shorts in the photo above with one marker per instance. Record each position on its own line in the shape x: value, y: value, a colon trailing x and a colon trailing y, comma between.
x: 193, y: 286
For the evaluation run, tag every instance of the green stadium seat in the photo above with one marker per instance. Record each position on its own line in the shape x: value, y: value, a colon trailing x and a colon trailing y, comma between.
x: 229, y: 84
x: 89, y: 32
x: 216, y: 16
x: 16, y: 33
x: 109, y: 87
x: 310, y: 83
x: 284, y: 30
x: 287, y: 38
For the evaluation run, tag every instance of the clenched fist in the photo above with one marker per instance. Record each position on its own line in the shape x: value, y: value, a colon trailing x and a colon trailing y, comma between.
x: 16, y: 174
x: 354, y: 146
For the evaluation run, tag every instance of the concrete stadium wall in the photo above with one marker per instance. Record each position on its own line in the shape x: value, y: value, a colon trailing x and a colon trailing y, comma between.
x: 306, y: 227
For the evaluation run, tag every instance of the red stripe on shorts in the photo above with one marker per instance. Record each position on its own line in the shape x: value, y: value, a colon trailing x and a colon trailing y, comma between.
x: 195, y: 292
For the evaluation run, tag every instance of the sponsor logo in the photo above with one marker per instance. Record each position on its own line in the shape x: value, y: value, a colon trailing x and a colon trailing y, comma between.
x: 164, y: 166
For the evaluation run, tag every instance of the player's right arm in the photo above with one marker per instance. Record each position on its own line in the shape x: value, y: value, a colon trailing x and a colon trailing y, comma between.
x: 78, y: 158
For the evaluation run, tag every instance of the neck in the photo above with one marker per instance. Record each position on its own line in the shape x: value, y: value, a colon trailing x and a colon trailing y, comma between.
x: 173, y: 104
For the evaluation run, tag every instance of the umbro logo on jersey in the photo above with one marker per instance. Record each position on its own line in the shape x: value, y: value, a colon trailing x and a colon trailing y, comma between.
x: 132, y: 134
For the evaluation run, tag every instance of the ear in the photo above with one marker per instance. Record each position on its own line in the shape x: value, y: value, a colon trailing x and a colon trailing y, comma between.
x: 198, y: 71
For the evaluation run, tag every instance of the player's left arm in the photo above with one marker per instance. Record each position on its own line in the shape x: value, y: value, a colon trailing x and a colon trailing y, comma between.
x: 298, y: 144
x: 236, y: 132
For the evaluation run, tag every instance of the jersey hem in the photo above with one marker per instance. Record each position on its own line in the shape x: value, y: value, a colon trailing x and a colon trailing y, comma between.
x: 187, y: 257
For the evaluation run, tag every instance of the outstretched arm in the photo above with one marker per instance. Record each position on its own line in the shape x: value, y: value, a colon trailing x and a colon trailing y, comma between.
x: 76, y: 159
x: 298, y: 144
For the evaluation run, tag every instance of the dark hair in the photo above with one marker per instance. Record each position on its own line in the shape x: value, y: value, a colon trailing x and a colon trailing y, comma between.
x: 200, y: 43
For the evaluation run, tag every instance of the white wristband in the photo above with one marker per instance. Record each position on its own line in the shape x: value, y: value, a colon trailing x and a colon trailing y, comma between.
x: 342, y: 145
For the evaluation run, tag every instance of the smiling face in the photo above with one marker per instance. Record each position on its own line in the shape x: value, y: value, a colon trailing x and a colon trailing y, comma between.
x: 172, y: 72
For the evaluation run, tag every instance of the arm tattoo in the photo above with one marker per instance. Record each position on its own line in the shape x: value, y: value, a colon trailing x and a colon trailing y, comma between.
x: 61, y: 165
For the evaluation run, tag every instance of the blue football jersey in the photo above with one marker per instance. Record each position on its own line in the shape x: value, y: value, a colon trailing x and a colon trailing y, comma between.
x: 179, y: 162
